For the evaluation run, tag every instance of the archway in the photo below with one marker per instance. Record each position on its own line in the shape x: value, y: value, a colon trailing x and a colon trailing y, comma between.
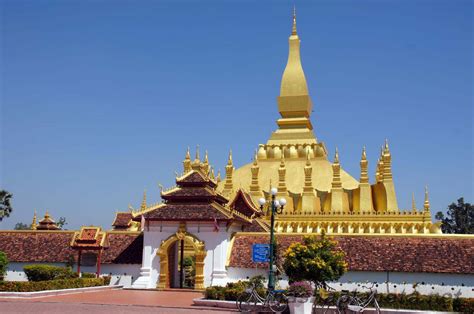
x: 171, y: 254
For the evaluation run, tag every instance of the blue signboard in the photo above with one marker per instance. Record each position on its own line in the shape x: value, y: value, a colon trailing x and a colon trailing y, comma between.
x: 260, y: 253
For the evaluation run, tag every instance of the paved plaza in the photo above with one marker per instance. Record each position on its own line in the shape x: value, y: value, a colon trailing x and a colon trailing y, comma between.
x: 114, y: 301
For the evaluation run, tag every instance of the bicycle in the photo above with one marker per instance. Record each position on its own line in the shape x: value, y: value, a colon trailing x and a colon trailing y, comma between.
x: 352, y: 303
x: 324, y: 300
x: 250, y: 301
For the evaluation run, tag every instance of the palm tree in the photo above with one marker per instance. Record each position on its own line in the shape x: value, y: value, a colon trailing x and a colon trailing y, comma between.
x: 5, y: 205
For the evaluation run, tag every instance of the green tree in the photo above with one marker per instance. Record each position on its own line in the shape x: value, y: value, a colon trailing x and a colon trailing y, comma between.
x: 21, y: 226
x: 61, y: 222
x: 5, y: 204
x: 3, y: 265
x: 459, y: 218
x: 315, y: 259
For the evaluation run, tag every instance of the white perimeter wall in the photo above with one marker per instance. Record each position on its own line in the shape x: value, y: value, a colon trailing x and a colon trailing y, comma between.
x: 453, y: 285
x: 122, y: 274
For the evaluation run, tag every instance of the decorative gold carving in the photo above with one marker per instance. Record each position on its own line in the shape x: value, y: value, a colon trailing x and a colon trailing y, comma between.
x: 163, y: 254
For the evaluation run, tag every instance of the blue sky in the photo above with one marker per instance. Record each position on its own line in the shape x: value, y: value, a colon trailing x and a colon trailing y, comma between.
x: 101, y: 98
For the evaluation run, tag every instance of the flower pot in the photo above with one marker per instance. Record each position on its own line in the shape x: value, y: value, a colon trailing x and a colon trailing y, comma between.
x: 301, y: 305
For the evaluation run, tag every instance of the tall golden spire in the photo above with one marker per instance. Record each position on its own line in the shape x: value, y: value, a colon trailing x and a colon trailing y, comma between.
x: 413, y: 203
x: 294, y: 103
x: 229, y: 169
x: 254, y: 186
x: 426, y: 204
x: 336, y: 172
x: 387, y: 163
x: 33, y: 223
x: 364, y: 173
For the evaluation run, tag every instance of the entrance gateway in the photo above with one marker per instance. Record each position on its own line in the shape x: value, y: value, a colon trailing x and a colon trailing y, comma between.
x: 181, y: 261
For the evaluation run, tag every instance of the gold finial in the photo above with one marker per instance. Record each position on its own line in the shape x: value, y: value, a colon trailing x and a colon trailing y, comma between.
x: 386, y: 150
x: 143, y: 206
x: 213, y: 177
x: 197, y: 154
x: 47, y: 214
x: 413, y: 204
x: 188, y: 154
x: 336, y: 156
x: 426, y: 205
x: 33, y: 223
x: 229, y: 161
x: 161, y: 187
x: 364, y: 154
x: 293, y: 30
x: 255, y: 158
x: 218, y: 178
x: 206, y: 158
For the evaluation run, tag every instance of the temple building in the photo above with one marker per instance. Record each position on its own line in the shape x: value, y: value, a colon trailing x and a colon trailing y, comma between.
x: 211, y: 224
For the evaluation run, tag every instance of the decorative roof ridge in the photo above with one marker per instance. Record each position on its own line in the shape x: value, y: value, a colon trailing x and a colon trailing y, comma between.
x: 246, y: 197
x: 38, y: 231
x: 223, y: 210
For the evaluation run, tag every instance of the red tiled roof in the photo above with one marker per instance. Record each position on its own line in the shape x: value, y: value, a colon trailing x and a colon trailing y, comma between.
x: 124, y: 248
x: 186, y: 211
x: 122, y: 220
x: 384, y: 253
x: 37, y: 246
x: 195, y: 177
x: 54, y: 246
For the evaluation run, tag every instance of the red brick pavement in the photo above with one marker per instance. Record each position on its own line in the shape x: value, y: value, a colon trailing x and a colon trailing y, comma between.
x: 115, y: 301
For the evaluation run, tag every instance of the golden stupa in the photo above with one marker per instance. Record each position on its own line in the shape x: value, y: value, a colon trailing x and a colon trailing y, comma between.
x: 319, y: 193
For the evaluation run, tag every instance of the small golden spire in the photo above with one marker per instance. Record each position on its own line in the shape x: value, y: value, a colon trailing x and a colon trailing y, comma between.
x: 188, y: 154
x: 218, y: 178
x: 413, y: 203
x: 282, y: 159
x: 364, y: 172
x: 47, y: 214
x: 255, y: 159
x: 213, y: 177
x: 336, y: 157
x: 33, y: 223
x: 293, y: 30
x: 143, y: 206
x: 206, y: 157
x: 426, y: 205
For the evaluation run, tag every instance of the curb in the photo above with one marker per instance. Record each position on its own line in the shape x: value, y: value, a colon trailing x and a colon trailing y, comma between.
x: 46, y: 293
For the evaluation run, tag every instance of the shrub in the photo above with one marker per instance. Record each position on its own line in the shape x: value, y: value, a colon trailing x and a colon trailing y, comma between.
x: 88, y: 275
x: 29, y: 286
x: 234, y: 289
x: 300, y: 289
x: 463, y: 305
x: 315, y: 260
x: 47, y: 272
x: 3, y: 265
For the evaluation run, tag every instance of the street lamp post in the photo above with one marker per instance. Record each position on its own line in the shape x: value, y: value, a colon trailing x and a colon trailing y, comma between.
x: 276, y: 207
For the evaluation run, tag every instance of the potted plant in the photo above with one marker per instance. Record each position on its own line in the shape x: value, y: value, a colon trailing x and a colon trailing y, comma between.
x: 317, y: 260
x: 300, y: 297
